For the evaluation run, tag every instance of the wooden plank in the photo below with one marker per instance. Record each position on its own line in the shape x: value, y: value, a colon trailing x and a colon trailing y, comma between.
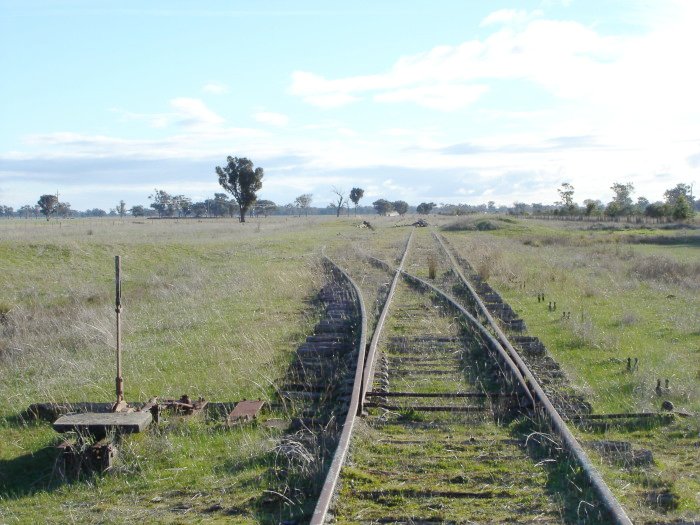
x: 100, y: 423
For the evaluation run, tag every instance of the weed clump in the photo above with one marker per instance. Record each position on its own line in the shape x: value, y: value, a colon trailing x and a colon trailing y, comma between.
x: 663, y: 269
x: 472, y: 225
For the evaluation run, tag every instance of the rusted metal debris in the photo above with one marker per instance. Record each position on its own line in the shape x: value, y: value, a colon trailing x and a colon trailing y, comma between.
x: 80, y: 456
x: 183, y: 406
x: 244, y: 412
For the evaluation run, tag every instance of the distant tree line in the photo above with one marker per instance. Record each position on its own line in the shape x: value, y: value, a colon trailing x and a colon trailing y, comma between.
x: 678, y: 204
x: 240, y: 179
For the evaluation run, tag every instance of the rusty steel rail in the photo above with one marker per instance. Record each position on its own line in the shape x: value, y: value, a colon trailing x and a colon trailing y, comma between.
x: 324, y: 500
x: 475, y: 323
x: 368, y: 376
x: 612, y: 505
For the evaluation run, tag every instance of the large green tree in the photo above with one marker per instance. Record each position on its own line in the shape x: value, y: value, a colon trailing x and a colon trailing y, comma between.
x: 355, y: 195
x: 424, y: 208
x: 401, y: 207
x: 680, y: 202
x: 383, y: 206
x: 265, y: 207
x: 682, y: 209
x: 48, y: 205
x: 622, y: 200
x: 242, y: 181
x: 163, y: 203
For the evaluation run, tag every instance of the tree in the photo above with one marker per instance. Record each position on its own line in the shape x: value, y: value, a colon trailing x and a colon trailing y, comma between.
x: 137, y: 211
x: 341, y: 198
x: 355, y: 195
x: 680, y: 202
x: 593, y: 207
x: 566, y: 194
x: 182, y: 205
x: 121, y: 208
x: 242, y: 181
x: 95, y: 212
x: 303, y: 202
x: 679, y: 190
x: 401, y: 207
x: 26, y: 210
x: 424, y: 208
x: 383, y: 206
x: 682, y: 209
x: 63, y: 209
x: 265, y: 207
x: 162, y: 203
x: 641, y: 206
x: 519, y: 208
x: 199, y: 209
x: 219, y: 205
x: 622, y: 200
x: 47, y: 205
x: 657, y: 210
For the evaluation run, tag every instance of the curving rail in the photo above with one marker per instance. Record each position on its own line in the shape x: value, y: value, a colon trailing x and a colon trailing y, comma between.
x: 500, y: 344
x: 494, y: 344
x: 542, y: 400
x: 341, y: 450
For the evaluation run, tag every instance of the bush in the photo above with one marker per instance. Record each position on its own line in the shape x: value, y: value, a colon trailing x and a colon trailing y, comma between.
x: 472, y: 225
x: 663, y: 269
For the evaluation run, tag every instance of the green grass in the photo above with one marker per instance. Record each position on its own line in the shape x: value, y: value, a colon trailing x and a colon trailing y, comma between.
x: 615, y: 312
x: 627, y: 299
x: 212, y: 308
x: 407, y: 465
x: 216, y: 309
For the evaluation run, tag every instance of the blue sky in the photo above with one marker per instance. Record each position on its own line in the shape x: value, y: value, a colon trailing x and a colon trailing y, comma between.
x: 444, y: 101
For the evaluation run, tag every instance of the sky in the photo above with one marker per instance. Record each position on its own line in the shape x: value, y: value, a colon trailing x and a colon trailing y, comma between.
x: 445, y: 101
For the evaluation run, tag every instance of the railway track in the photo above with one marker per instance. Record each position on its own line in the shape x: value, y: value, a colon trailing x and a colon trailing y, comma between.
x: 446, y: 421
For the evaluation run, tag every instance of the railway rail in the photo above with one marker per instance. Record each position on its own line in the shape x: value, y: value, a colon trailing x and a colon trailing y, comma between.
x: 437, y: 393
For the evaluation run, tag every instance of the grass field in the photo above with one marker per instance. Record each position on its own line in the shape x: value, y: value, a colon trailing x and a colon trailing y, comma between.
x: 216, y: 309
x: 212, y: 309
x: 630, y: 293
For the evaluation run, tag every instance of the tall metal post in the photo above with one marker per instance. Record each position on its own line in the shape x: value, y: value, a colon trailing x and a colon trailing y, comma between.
x: 118, y: 309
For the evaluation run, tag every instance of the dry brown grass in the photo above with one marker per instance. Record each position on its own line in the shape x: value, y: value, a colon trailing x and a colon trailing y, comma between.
x: 666, y: 270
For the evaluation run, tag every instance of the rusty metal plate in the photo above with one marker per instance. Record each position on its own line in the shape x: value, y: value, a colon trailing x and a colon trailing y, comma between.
x: 245, y: 411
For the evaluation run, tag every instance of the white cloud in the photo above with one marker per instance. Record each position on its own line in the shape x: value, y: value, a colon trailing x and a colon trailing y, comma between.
x: 193, y: 112
x: 273, y: 119
x: 606, y: 108
x: 215, y: 88
x: 560, y: 56
x: 441, y: 97
x: 189, y: 112
x: 506, y: 16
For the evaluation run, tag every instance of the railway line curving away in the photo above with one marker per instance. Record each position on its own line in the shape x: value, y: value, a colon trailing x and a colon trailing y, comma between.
x: 446, y: 421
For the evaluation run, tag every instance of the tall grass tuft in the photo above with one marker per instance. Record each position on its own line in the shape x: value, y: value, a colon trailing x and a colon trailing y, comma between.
x: 664, y: 269
x: 432, y: 267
